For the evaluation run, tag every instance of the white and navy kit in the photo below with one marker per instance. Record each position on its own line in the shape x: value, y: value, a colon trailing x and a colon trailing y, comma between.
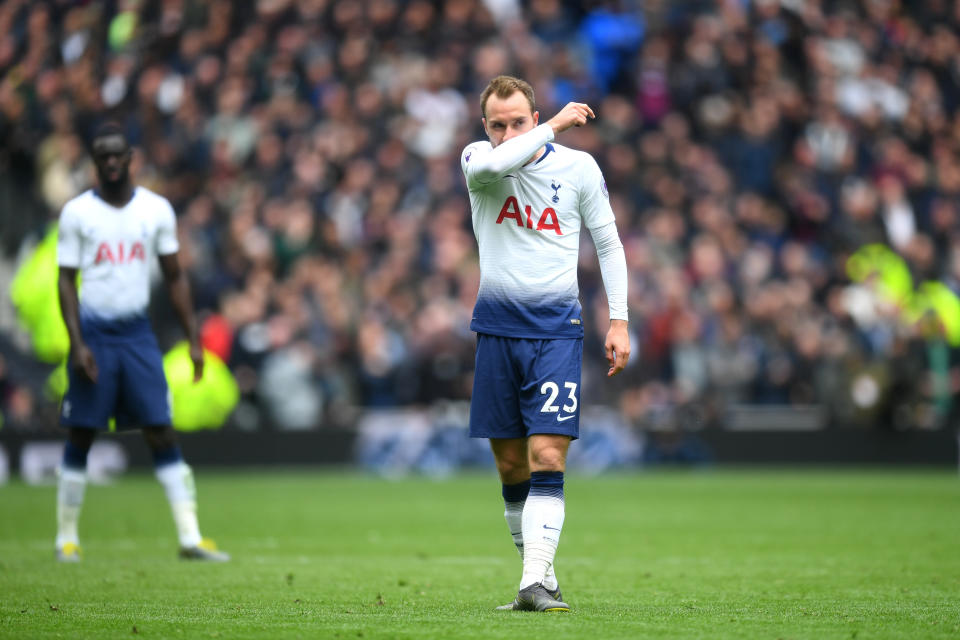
x: 527, y: 218
x: 113, y: 248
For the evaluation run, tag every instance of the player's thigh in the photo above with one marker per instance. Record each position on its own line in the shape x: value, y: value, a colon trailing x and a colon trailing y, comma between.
x: 144, y: 395
x: 550, y: 394
x: 494, y: 405
x: 90, y: 404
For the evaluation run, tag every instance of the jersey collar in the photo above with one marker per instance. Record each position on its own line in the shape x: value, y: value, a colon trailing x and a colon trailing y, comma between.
x: 133, y: 194
x: 545, y: 153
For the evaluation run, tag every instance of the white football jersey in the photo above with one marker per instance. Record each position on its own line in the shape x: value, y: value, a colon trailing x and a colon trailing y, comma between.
x: 527, y: 222
x: 113, y: 249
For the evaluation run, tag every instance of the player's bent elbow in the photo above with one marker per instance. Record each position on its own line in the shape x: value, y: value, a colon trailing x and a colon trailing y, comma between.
x: 483, y: 176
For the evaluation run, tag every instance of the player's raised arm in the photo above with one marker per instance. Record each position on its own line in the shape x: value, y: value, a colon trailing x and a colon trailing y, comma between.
x: 515, y: 138
x: 483, y: 163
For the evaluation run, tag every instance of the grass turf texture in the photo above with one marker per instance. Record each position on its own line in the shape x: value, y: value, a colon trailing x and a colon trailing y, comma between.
x: 719, y: 554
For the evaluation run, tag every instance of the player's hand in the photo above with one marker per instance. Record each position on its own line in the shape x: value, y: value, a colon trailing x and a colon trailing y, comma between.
x: 196, y: 355
x: 617, y: 346
x: 84, y: 363
x: 574, y: 114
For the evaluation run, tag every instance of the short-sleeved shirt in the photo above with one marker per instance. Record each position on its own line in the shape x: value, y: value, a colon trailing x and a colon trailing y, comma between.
x: 113, y: 248
x: 527, y: 226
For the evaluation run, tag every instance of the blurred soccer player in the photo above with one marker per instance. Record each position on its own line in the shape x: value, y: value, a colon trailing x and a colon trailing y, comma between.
x: 529, y: 198
x: 111, y: 234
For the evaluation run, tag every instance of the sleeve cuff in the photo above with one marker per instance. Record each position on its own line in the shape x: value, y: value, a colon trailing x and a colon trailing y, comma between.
x: 548, y: 135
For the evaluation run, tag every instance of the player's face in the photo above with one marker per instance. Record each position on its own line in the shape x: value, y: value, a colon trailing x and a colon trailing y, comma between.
x: 508, y: 117
x: 111, y: 155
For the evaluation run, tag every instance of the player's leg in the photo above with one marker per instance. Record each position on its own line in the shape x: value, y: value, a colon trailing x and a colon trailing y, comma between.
x: 71, y: 487
x: 543, y: 513
x: 145, y: 400
x: 176, y: 477
x: 551, y: 409
x: 495, y: 414
x: 542, y: 522
x: 86, y: 408
x: 513, y: 466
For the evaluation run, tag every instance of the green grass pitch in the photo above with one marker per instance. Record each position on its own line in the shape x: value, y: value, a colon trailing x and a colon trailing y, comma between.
x: 708, y: 554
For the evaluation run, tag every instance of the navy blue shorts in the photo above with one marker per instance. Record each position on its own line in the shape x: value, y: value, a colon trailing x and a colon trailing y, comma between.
x: 131, y: 385
x: 522, y: 387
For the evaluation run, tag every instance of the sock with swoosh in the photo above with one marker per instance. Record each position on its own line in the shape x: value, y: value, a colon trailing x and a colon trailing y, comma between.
x: 514, y: 498
x: 542, y: 522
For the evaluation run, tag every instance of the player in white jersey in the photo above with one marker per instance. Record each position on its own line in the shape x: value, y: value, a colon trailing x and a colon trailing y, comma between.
x: 110, y: 235
x: 529, y: 199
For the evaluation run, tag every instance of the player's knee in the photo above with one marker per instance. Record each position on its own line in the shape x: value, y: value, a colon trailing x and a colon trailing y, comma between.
x: 159, y: 438
x: 513, y: 469
x: 548, y: 459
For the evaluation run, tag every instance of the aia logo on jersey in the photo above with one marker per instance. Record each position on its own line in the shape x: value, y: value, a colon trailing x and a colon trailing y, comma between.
x: 120, y: 255
x: 548, y: 219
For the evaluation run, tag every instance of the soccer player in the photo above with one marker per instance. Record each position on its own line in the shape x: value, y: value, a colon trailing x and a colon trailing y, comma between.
x: 529, y: 198
x: 110, y: 234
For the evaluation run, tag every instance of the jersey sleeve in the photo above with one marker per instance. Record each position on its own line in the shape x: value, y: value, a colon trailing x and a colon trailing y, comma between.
x: 483, y: 164
x: 166, y: 241
x: 473, y: 152
x: 594, y: 198
x: 613, y: 268
x: 69, y: 240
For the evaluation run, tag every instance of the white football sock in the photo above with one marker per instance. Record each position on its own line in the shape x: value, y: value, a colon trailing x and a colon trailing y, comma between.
x: 177, y: 481
x: 542, y: 522
x: 71, y: 485
x: 513, y: 513
x: 550, y: 579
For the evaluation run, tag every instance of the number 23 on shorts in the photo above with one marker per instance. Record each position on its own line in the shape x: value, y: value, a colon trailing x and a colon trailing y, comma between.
x: 552, y: 390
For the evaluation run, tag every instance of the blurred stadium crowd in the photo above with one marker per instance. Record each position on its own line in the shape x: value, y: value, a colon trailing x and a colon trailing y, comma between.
x: 310, y: 148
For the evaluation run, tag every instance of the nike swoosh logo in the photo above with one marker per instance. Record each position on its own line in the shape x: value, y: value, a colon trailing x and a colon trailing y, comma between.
x: 554, y: 528
x: 562, y: 418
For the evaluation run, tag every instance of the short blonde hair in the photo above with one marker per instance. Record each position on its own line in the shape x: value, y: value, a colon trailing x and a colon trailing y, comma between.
x: 504, y: 87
